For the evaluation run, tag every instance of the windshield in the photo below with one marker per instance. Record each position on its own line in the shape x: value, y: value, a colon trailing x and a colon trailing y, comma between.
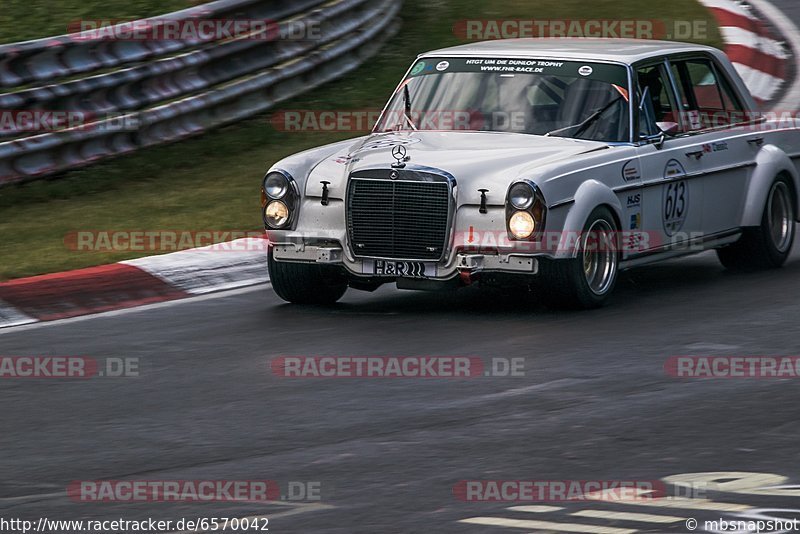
x: 539, y: 97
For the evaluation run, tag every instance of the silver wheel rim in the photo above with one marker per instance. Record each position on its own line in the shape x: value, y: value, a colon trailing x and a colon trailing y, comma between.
x: 779, y: 217
x: 599, y: 257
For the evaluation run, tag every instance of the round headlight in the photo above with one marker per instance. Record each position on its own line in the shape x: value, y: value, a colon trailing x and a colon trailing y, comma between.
x: 522, y: 225
x: 277, y: 214
x: 276, y: 185
x: 521, y: 196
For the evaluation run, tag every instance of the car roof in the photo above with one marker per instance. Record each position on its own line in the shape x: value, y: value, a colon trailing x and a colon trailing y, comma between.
x: 620, y: 50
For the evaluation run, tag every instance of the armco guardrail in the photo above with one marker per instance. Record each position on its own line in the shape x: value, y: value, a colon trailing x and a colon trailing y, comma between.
x: 170, y: 90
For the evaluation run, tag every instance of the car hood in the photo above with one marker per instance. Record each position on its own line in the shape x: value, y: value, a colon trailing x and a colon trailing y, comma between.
x: 477, y: 160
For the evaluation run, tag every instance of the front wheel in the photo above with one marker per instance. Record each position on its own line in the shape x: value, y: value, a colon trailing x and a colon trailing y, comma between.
x: 587, y: 280
x: 766, y: 246
x: 306, y: 283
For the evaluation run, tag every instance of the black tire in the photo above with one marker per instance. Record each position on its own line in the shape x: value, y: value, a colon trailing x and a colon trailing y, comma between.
x: 306, y: 283
x: 760, y: 247
x: 565, y: 283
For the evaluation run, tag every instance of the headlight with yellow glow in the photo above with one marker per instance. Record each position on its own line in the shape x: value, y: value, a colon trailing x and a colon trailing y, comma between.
x: 279, y: 200
x: 522, y: 225
x: 525, y: 211
x: 276, y: 214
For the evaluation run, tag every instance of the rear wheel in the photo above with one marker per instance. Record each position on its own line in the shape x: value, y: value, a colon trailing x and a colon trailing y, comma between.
x: 306, y: 283
x: 767, y: 246
x: 587, y: 280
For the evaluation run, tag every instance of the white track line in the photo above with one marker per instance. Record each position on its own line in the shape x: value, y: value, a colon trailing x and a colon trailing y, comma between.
x: 628, y: 516
x: 577, y: 528
x: 535, y: 509
x: 691, y: 504
x: 300, y: 508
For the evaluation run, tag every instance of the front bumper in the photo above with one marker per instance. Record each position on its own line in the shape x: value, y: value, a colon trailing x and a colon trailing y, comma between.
x: 462, y: 264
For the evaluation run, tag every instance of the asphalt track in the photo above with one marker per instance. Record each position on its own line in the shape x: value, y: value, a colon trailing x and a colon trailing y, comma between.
x: 594, y: 404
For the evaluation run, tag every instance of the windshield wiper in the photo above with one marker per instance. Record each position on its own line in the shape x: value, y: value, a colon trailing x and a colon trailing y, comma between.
x: 407, y: 108
x: 591, y: 119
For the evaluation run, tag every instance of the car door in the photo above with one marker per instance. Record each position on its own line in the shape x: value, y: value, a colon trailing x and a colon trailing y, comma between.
x: 671, y: 165
x: 711, y: 108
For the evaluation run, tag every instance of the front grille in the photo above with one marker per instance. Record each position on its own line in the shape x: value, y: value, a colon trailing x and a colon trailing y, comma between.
x: 398, y: 219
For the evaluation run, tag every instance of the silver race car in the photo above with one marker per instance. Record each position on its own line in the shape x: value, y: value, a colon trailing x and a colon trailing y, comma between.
x: 539, y: 163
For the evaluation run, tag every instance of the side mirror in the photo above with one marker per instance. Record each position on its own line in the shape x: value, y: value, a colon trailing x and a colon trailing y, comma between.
x: 668, y: 128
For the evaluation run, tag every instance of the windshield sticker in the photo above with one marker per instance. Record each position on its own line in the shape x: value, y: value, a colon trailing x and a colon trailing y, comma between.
x: 616, y: 74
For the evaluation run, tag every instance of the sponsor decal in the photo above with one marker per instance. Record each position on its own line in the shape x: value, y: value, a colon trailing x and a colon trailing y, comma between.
x: 631, y: 171
x: 613, y: 74
x: 676, y: 206
x: 673, y: 169
x: 635, y: 240
x: 675, y: 199
x: 636, y: 220
x: 720, y: 146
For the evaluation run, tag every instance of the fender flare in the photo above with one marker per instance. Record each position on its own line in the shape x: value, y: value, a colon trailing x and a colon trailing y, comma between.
x: 770, y: 162
x: 589, y: 196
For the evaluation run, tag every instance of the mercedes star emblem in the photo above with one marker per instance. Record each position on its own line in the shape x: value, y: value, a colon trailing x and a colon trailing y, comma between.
x: 399, y: 153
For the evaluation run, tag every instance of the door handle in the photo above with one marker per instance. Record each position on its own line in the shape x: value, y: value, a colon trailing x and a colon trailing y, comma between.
x: 697, y: 154
x: 757, y: 141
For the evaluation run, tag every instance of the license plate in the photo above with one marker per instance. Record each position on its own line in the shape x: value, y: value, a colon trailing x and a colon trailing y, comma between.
x: 403, y: 269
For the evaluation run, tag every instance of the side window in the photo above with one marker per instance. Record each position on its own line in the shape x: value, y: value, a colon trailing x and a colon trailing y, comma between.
x: 656, y: 100
x: 708, y: 101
